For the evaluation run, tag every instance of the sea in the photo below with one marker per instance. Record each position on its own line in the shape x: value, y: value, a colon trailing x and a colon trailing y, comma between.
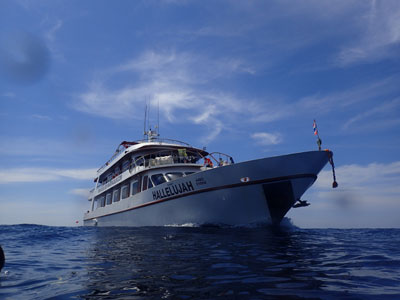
x: 199, y: 262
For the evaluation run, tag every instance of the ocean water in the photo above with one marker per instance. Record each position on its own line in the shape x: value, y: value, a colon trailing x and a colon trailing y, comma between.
x: 45, y: 262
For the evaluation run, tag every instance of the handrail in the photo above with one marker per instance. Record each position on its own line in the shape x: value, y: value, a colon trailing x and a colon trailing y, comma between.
x: 118, y: 151
x: 228, y: 161
x: 155, y: 159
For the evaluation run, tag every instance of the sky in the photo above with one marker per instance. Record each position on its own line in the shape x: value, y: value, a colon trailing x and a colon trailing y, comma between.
x: 245, y: 78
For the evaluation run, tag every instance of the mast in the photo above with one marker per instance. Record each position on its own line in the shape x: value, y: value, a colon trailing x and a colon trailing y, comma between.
x: 150, y: 134
x: 145, y: 117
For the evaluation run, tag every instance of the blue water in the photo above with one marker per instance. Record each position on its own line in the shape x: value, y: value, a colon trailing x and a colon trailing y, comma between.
x: 199, y: 263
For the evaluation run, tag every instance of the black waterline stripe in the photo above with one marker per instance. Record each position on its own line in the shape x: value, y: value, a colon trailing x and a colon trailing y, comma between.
x: 222, y: 187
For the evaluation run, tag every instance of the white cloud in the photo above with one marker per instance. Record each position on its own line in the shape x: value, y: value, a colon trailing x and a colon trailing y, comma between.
x: 373, y: 185
x: 266, y: 139
x: 35, y: 209
x: 181, y: 84
x: 80, y: 192
x: 372, y: 97
x: 41, y: 117
x: 51, y: 32
x: 367, y: 197
x: 40, y: 147
x: 382, y: 115
x: 358, y: 176
x: 343, y: 99
x: 379, y: 33
x: 44, y: 174
x: 8, y: 95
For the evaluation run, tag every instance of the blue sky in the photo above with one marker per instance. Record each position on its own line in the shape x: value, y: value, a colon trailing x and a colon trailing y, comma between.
x: 240, y: 77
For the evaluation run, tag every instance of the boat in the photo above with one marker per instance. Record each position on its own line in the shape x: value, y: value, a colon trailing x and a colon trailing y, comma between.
x: 160, y: 182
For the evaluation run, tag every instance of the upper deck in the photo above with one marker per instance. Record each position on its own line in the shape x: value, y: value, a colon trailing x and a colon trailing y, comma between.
x: 152, y: 146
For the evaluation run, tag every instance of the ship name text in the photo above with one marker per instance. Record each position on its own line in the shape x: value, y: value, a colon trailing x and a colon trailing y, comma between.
x: 173, y: 189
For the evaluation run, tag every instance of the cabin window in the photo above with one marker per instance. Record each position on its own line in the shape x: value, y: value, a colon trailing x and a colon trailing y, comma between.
x: 103, y: 201
x: 125, y: 166
x: 108, y: 199
x: 94, y: 204
x: 125, y: 191
x: 117, y: 171
x: 144, y: 183
x: 192, y: 158
x: 116, y: 195
x: 139, y: 184
x: 134, y: 187
x: 99, y: 201
x: 139, y: 161
x: 173, y: 175
x: 158, y: 179
x: 188, y: 173
x: 150, y: 185
x: 109, y: 176
x: 164, y: 159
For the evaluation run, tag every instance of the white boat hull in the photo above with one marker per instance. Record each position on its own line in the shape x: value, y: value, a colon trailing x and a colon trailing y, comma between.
x: 256, y: 191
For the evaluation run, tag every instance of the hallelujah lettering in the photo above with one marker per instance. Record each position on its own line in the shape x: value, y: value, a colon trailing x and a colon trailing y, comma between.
x: 172, y: 190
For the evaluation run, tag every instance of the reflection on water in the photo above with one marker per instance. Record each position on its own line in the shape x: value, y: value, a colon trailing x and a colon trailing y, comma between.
x: 199, y: 263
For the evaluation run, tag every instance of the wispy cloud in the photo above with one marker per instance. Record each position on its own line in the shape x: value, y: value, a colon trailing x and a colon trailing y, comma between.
x: 41, y: 117
x: 14, y: 175
x: 80, y: 192
x: 374, y: 104
x: 343, y: 99
x: 182, y: 84
x: 51, y: 32
x: 8, y: 95
x: 266, y: 139
x: 45, y: 147
x: 381, y: 116
x: 379, y: 34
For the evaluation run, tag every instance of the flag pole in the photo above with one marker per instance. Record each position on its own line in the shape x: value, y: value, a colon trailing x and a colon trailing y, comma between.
x: 319, y: 141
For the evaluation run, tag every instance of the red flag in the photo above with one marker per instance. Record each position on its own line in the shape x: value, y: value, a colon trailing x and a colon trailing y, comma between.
x: 315, y: 128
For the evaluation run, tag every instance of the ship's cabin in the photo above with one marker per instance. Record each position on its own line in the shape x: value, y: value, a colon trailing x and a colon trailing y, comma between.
x: 139, y: 161
x: 137, y: 184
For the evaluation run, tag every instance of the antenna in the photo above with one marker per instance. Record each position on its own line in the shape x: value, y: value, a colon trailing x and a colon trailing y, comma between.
x: 145, y: 117
x: 158, y: 117
x: 148, y: 113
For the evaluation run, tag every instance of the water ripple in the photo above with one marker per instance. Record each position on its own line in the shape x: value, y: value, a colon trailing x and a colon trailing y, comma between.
x: 198, y: 263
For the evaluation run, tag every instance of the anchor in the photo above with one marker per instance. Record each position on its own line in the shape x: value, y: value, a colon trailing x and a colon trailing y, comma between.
x: 300, y: 203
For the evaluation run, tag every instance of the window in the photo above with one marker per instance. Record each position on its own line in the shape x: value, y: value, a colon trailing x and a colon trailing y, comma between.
x: 99, y: 201
x: 145, y: 183
x: 125, y: 166
x: 134, y: 187
x: 109, y: 176
x: 95, y: 203
x: 158, y: 179
x: 125, y: 191
x: 139, y: 161
x: 117, y: 171
x: 116, y: 195
x: 108, y: 199
x: 173, y: 175
x: 150, y: 185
